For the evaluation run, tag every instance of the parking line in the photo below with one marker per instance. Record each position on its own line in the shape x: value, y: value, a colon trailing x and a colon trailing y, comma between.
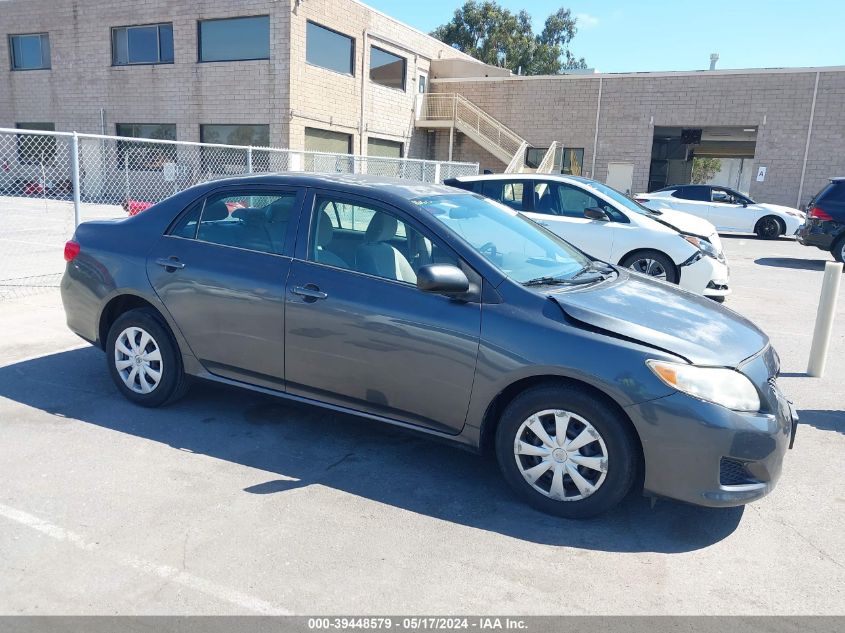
x: 165, y: 572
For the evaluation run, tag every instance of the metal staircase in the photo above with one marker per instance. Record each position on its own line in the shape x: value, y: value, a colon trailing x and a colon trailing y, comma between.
x: 439, y: 110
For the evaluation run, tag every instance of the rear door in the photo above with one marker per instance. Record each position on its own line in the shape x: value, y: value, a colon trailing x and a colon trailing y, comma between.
x: 221, y: 270
x: 692, y: 199
x: 560, y: 208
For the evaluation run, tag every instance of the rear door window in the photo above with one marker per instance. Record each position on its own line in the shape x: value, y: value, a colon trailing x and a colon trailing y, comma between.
x: 702, y: 194
x: 510, y: 193
x: 256, y: 220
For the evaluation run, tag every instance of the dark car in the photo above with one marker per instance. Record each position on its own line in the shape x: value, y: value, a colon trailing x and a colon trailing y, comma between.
x: 438, y: 310
x: 825, y: 224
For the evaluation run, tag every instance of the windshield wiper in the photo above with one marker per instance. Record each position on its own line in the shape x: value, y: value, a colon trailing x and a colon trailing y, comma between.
x: 557, y: 281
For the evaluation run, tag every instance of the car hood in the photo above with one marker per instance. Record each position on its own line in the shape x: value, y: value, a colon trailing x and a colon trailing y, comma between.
x: 664, y: 316
x: 685, y: 222
x: 776, y: 208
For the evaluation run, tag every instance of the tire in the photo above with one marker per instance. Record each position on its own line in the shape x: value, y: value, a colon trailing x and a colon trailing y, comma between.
x: 838, y: 249
x: 654, y: 261
x: 717, y: 299
x: 613, y: 449
x: 769, y: 227
x: 161, y: 358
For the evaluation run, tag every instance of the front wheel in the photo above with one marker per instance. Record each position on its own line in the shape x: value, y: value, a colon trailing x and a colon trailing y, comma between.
x: 143, y: 360
x: 566, y: 452
x: 652, y: 263
x: 769, y: 228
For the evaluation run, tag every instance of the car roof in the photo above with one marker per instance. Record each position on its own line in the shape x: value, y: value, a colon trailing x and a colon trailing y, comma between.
x: 838, y: 179
x: 528, y: 176
x: 383, y: 187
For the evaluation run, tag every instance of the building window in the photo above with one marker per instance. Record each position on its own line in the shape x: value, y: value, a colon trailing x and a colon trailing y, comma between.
x: 36, y: 149
x: 30, y: 52
x: 229, y: 160
x: 573, y: 161
x: 317, y: 140
x: 329, y: 49
x: 387, y: 69
x: 534, y: 156
x: 382, y: 148
x: 146, y: 156
x: 149, y: 44
x: 234, y: 39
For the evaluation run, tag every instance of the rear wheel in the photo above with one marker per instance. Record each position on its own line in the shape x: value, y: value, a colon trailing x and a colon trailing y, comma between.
x: 653, y: 264
x: 144, y: 361
x: 769, y: 228
x: 566, y: 452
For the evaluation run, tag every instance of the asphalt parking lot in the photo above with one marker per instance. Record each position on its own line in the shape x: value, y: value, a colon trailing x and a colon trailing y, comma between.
x: 232, y: 502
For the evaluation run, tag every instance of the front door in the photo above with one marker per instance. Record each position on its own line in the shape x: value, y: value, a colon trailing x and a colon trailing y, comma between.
x: 727, y: 214
x: 560, y: 208
x: 220, y: 272
x: 358, y: 331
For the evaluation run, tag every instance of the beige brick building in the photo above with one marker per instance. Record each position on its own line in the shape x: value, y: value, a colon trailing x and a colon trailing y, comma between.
x: 336, y: 75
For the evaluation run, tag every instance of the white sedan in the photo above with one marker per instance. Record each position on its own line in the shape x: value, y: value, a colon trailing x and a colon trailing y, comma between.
x: 609, y: 226
x: 728, y: 210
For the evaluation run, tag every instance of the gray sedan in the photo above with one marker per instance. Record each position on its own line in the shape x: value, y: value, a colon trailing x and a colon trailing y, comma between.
x: 440, y: 311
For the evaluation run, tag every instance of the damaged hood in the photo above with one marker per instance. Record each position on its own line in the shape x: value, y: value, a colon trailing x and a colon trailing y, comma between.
x: 663, y: 316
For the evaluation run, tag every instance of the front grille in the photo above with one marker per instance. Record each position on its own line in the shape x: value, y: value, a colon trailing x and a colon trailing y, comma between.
x: 733, y: 472
x: 714, y: 286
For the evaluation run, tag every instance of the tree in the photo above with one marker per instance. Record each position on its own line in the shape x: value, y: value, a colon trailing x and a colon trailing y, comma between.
x: 494, y: 35
x: 703, y: 170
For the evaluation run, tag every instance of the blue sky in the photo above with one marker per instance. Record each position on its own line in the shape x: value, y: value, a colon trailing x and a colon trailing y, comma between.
x: 619, y: 36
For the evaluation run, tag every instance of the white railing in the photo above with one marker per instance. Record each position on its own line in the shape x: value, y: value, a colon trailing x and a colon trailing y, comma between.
x: 50, y: 181
x: 471, y: 120
x: 547, y: 165
x: 518, y: 161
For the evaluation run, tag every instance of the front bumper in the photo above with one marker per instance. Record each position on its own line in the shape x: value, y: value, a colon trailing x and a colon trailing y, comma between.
x: 705, y: 276
x: 705, y: 454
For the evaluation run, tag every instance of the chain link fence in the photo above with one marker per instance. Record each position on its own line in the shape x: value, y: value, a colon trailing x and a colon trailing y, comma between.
x: 50, y: 181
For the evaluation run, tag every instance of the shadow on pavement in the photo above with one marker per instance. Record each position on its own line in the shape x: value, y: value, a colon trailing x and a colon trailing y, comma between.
x: 792, y: 262
x: 304, y: 445
x: 824, y: 420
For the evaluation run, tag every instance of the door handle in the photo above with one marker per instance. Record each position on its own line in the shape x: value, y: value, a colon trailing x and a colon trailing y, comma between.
x: 310, y: 292
x: 170, y: 262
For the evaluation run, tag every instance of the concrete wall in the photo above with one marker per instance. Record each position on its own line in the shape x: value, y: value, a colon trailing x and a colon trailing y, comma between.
x: 82, y: 79
x: 187, y: 93
x: 545, y: 109
x: 329, y: 100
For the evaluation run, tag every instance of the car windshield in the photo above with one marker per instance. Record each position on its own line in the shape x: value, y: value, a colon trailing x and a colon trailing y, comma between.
x: 618, y: 197
x: 517, y: 246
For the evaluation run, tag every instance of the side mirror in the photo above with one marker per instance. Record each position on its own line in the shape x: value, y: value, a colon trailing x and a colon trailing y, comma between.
x: 594, y: 213
x: 442, y: 279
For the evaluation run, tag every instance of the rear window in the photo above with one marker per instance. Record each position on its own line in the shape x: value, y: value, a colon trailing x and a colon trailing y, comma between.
x: 834, y: 192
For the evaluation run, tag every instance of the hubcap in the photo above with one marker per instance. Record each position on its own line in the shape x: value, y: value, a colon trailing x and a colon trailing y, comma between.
x: 137, y: 359
x: 561, y: 455
x: 650, y: 267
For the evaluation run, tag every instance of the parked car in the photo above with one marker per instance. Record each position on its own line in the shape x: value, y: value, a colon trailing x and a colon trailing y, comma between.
x: 672, y: 246
x: 825, y: 225
x: 728, y: 210
x: 441, y: 311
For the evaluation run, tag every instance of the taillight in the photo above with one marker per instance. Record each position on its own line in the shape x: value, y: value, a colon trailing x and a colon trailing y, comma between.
x: 820, y: 214
x: 71, y: 250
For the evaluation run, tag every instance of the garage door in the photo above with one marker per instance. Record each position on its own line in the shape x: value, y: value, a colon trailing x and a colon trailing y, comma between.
x: 384, y: 148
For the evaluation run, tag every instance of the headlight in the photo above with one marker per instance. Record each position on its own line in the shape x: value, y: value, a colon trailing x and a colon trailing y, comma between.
x: 704, y: 246
x: 726, y: 387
